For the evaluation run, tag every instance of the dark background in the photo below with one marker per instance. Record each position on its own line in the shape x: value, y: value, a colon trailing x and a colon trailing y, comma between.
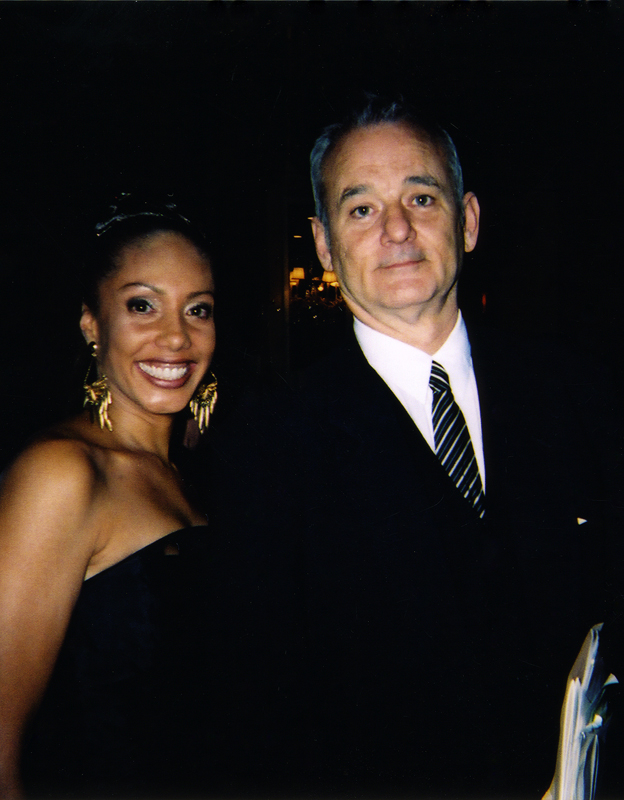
x: 221, y: 102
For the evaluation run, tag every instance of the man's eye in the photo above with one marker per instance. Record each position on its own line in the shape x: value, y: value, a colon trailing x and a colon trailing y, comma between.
x: 423, y: 200
x: 361, y: 211
x: 202, y: 310
x: 139, y: 305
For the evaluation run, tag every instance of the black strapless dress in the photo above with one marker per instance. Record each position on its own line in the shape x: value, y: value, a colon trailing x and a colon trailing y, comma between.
x: 128, y: 696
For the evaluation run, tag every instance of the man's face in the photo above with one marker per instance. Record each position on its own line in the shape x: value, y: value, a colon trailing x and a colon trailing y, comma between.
x: 394, y: 236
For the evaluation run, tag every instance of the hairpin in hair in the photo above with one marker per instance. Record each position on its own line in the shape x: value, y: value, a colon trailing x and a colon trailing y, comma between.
x: 126, y: 198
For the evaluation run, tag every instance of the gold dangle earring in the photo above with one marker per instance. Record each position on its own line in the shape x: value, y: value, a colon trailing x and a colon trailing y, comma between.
x: 97, y: 394
x: 203, y: 402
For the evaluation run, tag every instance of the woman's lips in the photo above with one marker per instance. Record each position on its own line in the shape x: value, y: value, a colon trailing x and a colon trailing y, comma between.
x: 173, y: 375
x: 168, y: 373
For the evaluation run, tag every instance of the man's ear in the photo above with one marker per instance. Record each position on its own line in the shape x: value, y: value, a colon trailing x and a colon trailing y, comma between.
x: 322, y: 245
x: 471, y: 226
x: 88, y: 325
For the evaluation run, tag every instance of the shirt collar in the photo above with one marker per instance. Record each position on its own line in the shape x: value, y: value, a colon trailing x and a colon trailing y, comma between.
x: 409, y: 368
x: 455, y: 356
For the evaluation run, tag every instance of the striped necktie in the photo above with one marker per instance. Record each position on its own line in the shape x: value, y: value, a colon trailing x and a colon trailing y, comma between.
x: 452, y: 440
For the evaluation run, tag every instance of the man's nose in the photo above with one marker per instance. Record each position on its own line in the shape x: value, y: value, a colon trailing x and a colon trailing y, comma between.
x: 397, y: 225
x: 173, y: 333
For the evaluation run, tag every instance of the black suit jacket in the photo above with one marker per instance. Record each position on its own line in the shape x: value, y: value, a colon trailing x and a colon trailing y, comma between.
x: 377, y: 636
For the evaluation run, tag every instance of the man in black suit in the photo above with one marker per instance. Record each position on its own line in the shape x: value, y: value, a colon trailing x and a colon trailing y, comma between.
x: 416, y: 533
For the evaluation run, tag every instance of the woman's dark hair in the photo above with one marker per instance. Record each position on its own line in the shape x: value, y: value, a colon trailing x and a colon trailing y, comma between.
x: 131, y: 220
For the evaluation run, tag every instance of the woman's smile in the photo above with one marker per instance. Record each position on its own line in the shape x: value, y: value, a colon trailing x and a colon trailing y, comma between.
x: 170, y: 372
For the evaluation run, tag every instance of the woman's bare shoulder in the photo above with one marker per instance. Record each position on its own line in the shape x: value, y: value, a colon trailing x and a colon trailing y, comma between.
x: 56, y: 475
x: 49, y: 526
x: 55, y: 455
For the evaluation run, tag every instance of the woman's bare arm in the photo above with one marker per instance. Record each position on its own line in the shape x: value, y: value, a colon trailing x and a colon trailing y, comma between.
x: 47, y: 538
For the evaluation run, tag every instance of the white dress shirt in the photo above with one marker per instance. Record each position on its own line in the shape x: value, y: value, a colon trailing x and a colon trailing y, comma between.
x: 406, y: 370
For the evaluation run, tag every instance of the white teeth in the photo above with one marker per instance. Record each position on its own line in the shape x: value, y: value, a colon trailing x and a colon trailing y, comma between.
x: 164, y: 373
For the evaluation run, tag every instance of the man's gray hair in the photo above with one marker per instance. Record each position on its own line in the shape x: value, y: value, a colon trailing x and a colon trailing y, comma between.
x: 376, y: 113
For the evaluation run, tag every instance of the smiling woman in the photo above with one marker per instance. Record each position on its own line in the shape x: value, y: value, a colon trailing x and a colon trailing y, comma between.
x: 91, y: 605
x: 151, y: 320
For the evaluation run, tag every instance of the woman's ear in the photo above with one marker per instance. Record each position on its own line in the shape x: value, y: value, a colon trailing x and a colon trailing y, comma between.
x: 88, y: 325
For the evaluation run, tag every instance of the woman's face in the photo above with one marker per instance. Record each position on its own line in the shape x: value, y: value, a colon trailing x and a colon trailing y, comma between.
x: 155, y: 329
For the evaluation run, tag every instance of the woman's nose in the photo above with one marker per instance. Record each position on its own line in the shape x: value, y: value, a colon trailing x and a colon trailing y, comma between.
x: 174, y: 333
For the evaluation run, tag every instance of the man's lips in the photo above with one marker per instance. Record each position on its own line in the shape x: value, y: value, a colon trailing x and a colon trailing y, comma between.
x: 407, y: 260
x: 401, y: 264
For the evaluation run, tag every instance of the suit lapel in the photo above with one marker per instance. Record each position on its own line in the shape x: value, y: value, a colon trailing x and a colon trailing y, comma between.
x: 377, y: 423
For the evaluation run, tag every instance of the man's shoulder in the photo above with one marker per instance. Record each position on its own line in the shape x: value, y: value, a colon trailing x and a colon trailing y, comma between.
x: 502, y: 344
x: 329, y: 394
x: 548, y: 388
x: 503, y: 355
x: 336, y: 370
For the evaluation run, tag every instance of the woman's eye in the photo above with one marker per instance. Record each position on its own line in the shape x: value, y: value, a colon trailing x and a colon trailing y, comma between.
x: 139, y: 305
x: 202, y: 311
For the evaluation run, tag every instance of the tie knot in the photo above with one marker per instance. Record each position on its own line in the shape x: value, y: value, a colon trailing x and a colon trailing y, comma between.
x: 439, y: 380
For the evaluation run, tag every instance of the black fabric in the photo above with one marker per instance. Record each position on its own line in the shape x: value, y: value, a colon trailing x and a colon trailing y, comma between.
x: 379, y: 638
x: 127, y: 699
